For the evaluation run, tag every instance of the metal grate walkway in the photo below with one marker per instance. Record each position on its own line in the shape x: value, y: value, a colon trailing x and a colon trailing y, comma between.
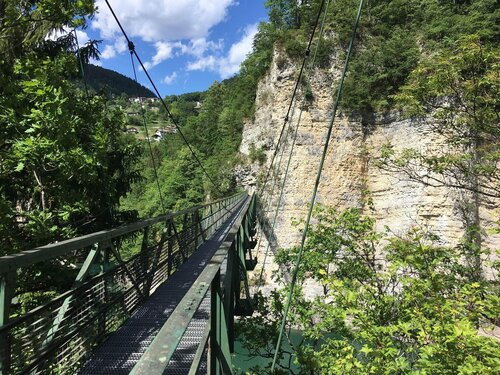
x: 120, y: 352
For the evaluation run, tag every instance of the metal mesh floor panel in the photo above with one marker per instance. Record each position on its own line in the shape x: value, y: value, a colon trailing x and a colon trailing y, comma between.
x: 184, y: 355
x: 121, y: 351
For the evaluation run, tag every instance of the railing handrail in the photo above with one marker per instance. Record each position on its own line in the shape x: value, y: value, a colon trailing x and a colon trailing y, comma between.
x: 169, y: 336
x: 111, y: 294
x: 26, y: 258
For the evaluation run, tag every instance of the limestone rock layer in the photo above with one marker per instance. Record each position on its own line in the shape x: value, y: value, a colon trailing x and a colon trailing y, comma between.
x: 350, y: 171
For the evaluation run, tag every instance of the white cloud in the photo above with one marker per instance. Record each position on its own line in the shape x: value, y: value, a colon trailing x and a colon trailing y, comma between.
x: 108, y: 52
x: 203, y: 63
x: 82, y: 36
x: 238, y: 53
x: 161, y: 20
x: 121, y: 45
x: 111, y: 50
x: 196, y: 47
x: 164, y: 51
x: 174, y: 28
x: 169, y: 79
x: 228, y: 65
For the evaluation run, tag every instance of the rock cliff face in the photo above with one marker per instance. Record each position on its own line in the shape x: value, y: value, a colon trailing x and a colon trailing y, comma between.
x: 349, y: 171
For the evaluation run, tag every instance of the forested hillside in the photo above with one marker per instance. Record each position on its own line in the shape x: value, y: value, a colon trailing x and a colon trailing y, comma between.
x: 397, y: 42
x: 113, y: 83
x: 214, y: 131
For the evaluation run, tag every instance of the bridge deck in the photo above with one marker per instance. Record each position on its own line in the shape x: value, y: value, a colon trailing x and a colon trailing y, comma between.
x: 120, y: 352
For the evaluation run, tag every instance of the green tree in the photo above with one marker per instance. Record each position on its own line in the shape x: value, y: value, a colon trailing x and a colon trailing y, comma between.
x: 284, y: 13
x: 64, y: 161
x: 459, y: 89
x: 413, y: 310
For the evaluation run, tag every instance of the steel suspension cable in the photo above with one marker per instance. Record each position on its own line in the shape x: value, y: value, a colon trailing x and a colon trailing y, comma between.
x: 132, y: 49
x: 294, y: 138
x: 316, y: 185
x: 81, y: 66
x: 291, y: 109
x: 268, y: 201
x: 144, y: 122
x: 308, y: 51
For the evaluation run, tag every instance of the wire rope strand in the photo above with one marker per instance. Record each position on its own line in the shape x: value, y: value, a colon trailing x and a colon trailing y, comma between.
x: 144, y: 121
x: 82, y: 70
x: 308, y: 75
x: 294, y: 92
x: 316, y: 185
x: 291, y: 109
x: 268, y: 201
x: 174, y: 121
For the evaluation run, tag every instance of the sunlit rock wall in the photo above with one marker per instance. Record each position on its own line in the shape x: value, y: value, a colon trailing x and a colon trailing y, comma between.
x: 349, y: 170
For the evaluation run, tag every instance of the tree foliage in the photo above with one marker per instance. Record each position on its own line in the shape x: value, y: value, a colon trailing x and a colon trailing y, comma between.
x: 64, y: 160
x: 112, y: 83
x: 459, y: 88
x: 413, y: 310
x: 392, y: 37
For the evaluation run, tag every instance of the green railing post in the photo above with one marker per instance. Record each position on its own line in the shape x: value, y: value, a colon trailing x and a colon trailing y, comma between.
x: 211, y: 219
x: 7, y: 288
x: 179, y: 242
x: 185, y: 233
x: 229, y: 289
x: 194, y: 225
x: 217, y: 216
x: 200, y: 225
x: 146, y: 260
x: 104, y: 265
x: 220, y: 355
x: 80, y: 278
x: 144, y: 255
x: 154, y: 264
x: 170, y: 245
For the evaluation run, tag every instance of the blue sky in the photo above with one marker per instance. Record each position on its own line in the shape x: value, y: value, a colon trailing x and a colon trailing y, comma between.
x: 186, y: 44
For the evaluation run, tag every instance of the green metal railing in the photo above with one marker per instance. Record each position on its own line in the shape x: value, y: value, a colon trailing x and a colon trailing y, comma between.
x: 57, y: 336
x: 226, y: 301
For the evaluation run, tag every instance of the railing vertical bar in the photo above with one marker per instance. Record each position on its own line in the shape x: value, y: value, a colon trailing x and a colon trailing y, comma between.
x: 229, y: 283
x: 7, y: 288
x: 194, y: 225
x: 169, y: 247
x: 144, y: 262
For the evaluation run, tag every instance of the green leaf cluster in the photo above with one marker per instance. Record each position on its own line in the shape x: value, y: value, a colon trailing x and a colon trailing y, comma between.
x: 413, y: 310
x: 64, y: 160
x: 459, y: 88
x: 393, y: 37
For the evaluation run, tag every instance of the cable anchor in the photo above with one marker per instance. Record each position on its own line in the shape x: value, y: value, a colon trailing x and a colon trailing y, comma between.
x: 131, y: 46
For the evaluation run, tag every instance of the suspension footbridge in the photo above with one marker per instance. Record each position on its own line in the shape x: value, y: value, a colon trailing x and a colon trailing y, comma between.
x: 153, y: 313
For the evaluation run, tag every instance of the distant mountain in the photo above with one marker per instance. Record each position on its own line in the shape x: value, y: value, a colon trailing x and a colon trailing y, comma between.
x: 114, y: 83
